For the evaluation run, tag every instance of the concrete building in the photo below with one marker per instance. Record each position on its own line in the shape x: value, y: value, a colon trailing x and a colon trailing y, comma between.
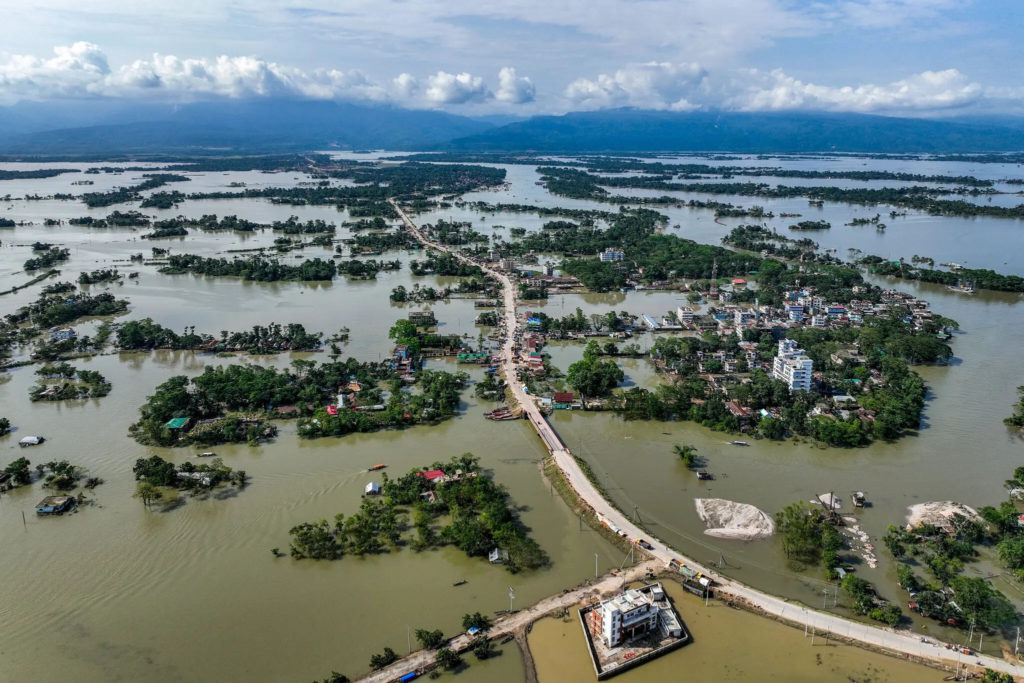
x: 685, y: 315
x: 611, y: 254
x: 793, y: 366
x: 627, y: 616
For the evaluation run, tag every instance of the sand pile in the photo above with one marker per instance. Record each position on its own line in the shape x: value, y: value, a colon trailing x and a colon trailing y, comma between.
x: 939, y: 513
x: 728, y: 519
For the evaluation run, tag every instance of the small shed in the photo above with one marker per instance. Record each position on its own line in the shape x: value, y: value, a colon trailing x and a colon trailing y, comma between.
x: 372, y: 489
x: 497, y: 556
x: 177, y: 423
x: 54, y: 505
x: 31, y: 441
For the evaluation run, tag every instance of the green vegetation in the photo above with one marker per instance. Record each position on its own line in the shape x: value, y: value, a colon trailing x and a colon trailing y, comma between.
x: 47, y: 258
x: 443, y: 264
x: 866, y: 603
x: 379, y: 661
x: 687, y: 454
x: 36, y: 173
x: 431, y: 640
x: 448, y: 659
x: 5, y: 426
x: 158, y: 473
x: 20, y: 471
x: 72, y: 384
x: 1017, y: 419
x: 132, y: 193
x: 60, y: 475
x: 811, y: 225
x: 808, y: 537
x: 255, y: 268
x: 592, y: 376
x: 475, y: 508
x: 261, y: 339
x: 100, y: 276
x: 118, y: 219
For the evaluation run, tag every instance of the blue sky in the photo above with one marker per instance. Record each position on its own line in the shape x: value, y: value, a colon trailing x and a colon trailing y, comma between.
x: 918, y: 57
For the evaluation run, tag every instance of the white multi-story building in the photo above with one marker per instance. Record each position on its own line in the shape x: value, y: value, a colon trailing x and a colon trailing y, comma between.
x: 627, y: 616
x: 611, y: 254
x: 685, y: 315
x: 793, y: 366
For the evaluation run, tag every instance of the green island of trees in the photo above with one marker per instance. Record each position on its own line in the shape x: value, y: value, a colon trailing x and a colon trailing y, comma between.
x: 47, y: 258
x: 131, y: 193
x: 97, y: 277
x: 232, y: 403
x: 592, y: 376
x: 466, y: 509
x: 161, y: 481
x: 256, y: 268
x: 65, y: 382
x: 145, y: 334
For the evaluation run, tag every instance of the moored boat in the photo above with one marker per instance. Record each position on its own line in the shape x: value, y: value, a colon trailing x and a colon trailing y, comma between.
x: 376, y: 467
x: 205, y: 454
x: 738, y: 443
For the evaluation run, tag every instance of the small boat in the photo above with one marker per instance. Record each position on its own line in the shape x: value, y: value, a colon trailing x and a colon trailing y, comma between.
x: 704, y: 475
x: 507, y: 639
x: 738, y: 443
x: 376, y: 467
x: 858, y: 499
x: 460, y: 582
x: 205, y: 454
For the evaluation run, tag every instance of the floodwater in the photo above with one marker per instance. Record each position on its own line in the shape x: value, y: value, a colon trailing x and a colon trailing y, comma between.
x: 118, y: 592
x: 728, y: 645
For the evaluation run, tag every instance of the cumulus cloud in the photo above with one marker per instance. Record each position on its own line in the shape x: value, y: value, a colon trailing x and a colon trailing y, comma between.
x: 927, y: 90
x: 81, y: 70
x: 653, y: 85
x: 513, y: 88
x: 445, y: 88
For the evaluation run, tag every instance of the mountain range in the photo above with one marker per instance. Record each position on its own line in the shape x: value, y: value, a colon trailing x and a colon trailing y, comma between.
x: 110, y: 127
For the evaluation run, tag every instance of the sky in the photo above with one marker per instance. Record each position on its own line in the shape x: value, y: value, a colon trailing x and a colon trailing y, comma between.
x: 525, y: 57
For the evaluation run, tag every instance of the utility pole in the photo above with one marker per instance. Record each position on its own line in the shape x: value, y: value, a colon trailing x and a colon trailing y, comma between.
x: 636, y: 513
x: 1016, y: 643
x: 511, y: 597
x: 408, y: 637
x: 595, y: 565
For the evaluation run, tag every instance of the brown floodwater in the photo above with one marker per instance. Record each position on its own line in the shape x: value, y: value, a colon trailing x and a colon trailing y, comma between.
x: 118, y: 592
x: 728, y: 645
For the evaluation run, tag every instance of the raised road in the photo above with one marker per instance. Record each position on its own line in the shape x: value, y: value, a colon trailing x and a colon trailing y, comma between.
x: 823, y: 622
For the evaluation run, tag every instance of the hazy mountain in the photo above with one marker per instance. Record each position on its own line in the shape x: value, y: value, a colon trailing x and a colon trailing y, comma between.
x: 110, y: 128
x: 634, y: 130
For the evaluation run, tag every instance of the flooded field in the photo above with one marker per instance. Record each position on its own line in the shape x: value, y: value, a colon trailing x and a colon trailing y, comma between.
x: 118, y: 592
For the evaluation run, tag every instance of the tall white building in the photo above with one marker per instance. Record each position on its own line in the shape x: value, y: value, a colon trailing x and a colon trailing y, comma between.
x: 627, y: 616
x: 611, y: 254
x: 793, y: 366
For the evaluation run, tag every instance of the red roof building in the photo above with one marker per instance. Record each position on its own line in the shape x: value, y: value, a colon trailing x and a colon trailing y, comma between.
x: 563, y: 397
x: 432, y: 475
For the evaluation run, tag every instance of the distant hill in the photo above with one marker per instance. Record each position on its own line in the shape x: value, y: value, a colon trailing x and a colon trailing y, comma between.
x: 235, y: 126
x: 112, y: 127
x: 622, y: 130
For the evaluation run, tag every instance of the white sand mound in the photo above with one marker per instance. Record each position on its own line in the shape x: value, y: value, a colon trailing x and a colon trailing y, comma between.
x: 728, y: 519
x: 939, y: 513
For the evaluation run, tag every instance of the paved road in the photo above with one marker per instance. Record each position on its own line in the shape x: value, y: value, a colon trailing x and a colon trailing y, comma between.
x: 898, y: 641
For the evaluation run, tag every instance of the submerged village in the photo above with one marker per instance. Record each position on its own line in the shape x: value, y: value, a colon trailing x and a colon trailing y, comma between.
x: 725, y: 348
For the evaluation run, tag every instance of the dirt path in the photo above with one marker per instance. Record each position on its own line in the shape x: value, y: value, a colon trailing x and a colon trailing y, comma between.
x: 897, y: 641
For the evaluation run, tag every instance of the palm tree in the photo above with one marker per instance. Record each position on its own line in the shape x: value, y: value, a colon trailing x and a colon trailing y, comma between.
x: 686, y: 453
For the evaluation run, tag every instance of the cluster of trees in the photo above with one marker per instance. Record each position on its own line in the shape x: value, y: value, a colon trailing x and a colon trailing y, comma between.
x: 366, y: 270
x: 119, y: 219
x: 436, y: 399
x: 951, y: 597
x: 760, y: 239
x: 592, y: 376
x: 72, y: 383
x: 61, y: 307
x: 982, y: 278
x: 100, y: 276
x: 131, y: 193
x: 47, y: 258
x: 159, y: 479
x: 20, y: 471
x: 271, y: 338
x: 444, y: 264
x: 811, y: 225
x: 256, y: 268
x: 175, y: 231
x: 476, y: 511
x: 865, y: 601
x: 808, y: 537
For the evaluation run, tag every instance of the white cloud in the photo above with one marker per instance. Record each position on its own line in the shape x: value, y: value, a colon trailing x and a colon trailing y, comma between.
x: 81, y: 70
x: 654, y: 85
x: 927, y: 90
x: 445, y: 88
x: 514, y: 89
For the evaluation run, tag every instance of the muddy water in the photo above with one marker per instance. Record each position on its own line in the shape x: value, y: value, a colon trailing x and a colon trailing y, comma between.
x: 728, y: 645
x: 116, y: 592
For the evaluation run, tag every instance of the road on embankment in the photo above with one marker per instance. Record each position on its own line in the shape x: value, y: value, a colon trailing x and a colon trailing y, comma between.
x: 896, y: 641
